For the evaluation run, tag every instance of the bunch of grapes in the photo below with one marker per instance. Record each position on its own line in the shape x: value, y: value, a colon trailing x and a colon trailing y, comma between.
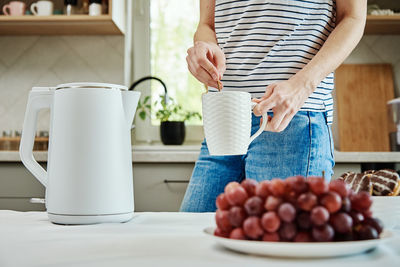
x: 296, y: 209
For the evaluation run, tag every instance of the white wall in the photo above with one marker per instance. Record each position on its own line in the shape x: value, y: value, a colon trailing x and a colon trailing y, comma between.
x: 29, y: 61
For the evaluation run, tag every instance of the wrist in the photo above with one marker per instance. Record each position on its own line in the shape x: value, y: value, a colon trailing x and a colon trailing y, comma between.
x: 306, y: 82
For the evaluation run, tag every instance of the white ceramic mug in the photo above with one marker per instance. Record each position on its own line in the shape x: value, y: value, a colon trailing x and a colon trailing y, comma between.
x: 227, y: 122
x: 42, y: 8
x: 95, y: 9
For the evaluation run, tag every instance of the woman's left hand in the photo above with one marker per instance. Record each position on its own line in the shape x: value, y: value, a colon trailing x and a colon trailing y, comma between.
x: 284, y: 99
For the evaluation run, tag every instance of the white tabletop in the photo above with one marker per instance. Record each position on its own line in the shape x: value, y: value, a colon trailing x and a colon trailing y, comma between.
x: 149, y: 239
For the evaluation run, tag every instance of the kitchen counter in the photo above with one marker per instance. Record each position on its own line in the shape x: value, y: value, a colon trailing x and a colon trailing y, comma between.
x: 149, y: 239
x: 188, y: 154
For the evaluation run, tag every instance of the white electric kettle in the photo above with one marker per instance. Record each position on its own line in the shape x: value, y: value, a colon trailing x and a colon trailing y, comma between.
x: 89, y: 171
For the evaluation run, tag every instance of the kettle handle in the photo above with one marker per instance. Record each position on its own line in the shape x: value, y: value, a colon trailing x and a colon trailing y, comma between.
x: 39, y: 98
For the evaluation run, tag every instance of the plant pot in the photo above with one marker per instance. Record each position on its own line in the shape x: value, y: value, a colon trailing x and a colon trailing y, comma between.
x: 172, y: 132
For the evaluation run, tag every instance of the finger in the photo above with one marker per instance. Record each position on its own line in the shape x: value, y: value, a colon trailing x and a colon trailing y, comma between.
x: 264, y: 106
x: 201, y: 56
x: 261, y: 121
x: 256, y: 100
x: 268, y: 91
x: 276, y: 121
x: 201, y: 74
x: 220, y: 62
x: 261, y: 109
x: 285, y: 122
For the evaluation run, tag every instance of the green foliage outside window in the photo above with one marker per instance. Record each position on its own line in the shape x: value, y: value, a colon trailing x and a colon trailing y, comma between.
x: 173, y: 24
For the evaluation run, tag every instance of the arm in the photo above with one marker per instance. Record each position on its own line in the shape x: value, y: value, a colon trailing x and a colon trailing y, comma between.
x: 286, y: 98
x: 205, y: 59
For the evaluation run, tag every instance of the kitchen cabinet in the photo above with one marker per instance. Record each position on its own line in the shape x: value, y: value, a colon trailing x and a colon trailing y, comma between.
x: 384, y: 24
x: 112, y: 23
x: 158, y: 186
x: 18, y: 186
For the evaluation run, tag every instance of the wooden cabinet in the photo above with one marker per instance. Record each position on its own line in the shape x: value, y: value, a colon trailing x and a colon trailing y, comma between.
x: 112, y: 23
x: 389, y: 24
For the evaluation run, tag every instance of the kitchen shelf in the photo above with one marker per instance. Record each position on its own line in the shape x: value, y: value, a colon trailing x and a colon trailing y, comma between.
x: 382, y: 24
x: 59, y: 25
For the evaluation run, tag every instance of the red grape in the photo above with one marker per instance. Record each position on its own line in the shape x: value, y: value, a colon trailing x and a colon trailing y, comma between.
x: 295, y: 209
x: 272, y: 203
x: 222, y: 220
x: 345, y: 237
x: 287, y: 212
x: 332, y: 202
x: 250, y: 186
x: 262, y: 189
x: 367, y: 232
x: 323, y: 233
x: 346, y: 205
x: 271, y: 237
x: 304, y: 220
x: 307, y: 201
x: 340, y: 187
x: 222, y: 202
x: 287, y: 231
x: 302, y: 237
x: 297, y: 184
x: 341, y: 222
x: 357, y: 217
x: 236, y: 216
x: 252, y: 227
x: 270, y: 221
x: 319, y: 215
x: 277, y: 187
x: 254, y: 206
x: 367, y: 214
x: 231, y: 186
x: 237, y: 233
x: 317, y: 185
x: 220, y: 233
x: 375, y: 223
x: 361, y: 201
x: 235, y: 194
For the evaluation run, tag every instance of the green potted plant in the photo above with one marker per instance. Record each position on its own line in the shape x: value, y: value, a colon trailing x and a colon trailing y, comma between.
x: 171, y: 115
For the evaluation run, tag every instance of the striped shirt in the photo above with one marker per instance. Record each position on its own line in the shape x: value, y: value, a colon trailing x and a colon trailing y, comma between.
x: 269, y: 41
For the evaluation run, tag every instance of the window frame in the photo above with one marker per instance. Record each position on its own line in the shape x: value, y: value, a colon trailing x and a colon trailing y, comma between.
x: 141, y: 66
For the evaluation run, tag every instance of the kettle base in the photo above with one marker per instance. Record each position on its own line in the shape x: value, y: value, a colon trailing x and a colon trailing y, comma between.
x: 89, y: 219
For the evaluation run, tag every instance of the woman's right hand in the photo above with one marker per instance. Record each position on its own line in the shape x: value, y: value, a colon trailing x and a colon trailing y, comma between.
x: 206, y: 62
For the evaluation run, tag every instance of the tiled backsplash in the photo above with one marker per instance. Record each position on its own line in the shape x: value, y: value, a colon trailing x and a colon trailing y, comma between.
x: 50, y: 60
x: 47, y: 61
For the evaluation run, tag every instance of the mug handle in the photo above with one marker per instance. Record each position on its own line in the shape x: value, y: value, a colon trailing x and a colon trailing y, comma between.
x: 33, y: 7
x: 262, y: 127
x: 5, y: 10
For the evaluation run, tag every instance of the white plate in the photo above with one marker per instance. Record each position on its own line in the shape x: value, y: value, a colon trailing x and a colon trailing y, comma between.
x: 299, y: 250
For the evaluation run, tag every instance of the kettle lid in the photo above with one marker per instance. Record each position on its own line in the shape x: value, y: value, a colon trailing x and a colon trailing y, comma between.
x: 90, y: 85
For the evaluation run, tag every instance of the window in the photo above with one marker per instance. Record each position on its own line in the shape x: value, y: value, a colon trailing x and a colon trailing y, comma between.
x: 162, y: 32
x: 172, y: 26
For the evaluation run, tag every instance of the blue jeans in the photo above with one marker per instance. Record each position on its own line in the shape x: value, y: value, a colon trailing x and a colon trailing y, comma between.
x: 305, y: 148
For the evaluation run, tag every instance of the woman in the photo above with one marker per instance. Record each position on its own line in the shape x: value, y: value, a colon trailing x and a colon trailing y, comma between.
x: 284, y: 53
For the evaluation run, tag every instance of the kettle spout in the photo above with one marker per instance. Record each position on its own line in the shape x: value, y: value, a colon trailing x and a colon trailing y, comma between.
x: 130, y: 100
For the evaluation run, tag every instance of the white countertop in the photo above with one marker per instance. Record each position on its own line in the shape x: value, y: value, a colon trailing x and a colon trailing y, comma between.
x: 149, y: 239
x: 188, y: 154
